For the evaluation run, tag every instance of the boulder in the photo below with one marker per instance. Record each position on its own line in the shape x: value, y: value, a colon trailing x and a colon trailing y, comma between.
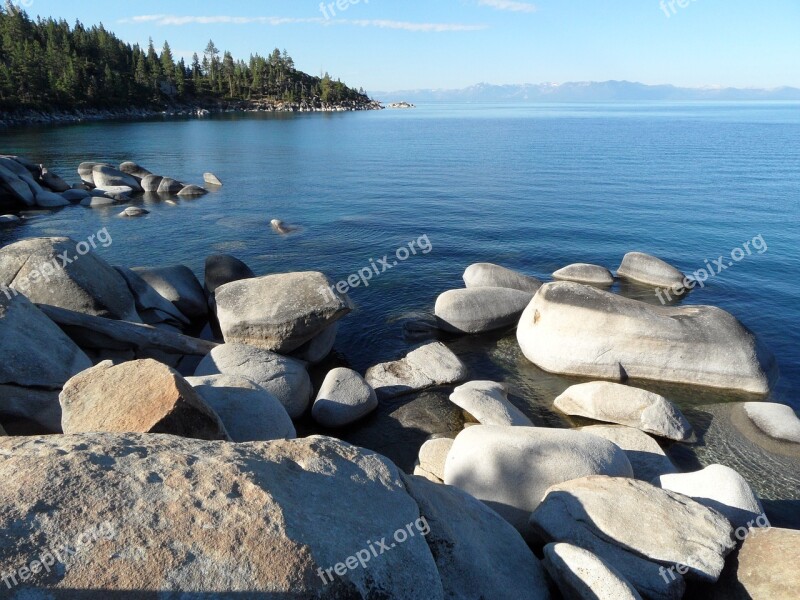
x: 212, y: 179
x: 86, y: 171
x: 279, y: 312
x: 477, y: 553
x: 16, y: 187
x: 151, y: 183
x: 316, y: 350
x: 178, y: 285
x: 211, y: 519
x: 112, y: 191
x: 511, y: 468
x: 285, y: 378
x: 134, y: 170
x: 248, y: 411
x: 224, y: 268
x: 581, y: 575
x: 169, y: 186
x: 480, y: 309
x: 50, y: 271
x: 47, y: 199
x: 625, y: 405
x: 658, y: 525
x: 98, y: 201
x: 778, y: 421
x: 75, y: 195
x: 432, y: 458
x: 427, y: 366
x: 9, y: 219
x: 141, y: 396
x: 574, y: 329
x: 37, y: 405
x: 134, y: 211
x: 192, y: 191
x: 488, y: 403
x: 489, y: 275
x: 718, y: 487
x: 149, y: 301
x: 34, y: 351
x: 585, y: 273
x: 645, y: 455
x: 343, y: 398
x: 54, y: 182
x: 650, y: 270
x: 104, y: 176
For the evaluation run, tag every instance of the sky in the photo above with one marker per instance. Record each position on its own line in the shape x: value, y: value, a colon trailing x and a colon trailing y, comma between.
x: 389, y: 45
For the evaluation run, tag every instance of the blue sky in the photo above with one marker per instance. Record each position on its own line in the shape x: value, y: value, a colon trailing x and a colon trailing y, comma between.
x: 404, y: 44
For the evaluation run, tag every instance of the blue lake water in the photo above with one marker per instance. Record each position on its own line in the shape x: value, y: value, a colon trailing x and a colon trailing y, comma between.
x: 531, y: 187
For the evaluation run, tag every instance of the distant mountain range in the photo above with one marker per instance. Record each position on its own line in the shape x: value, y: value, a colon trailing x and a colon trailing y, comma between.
x: 604, y: 91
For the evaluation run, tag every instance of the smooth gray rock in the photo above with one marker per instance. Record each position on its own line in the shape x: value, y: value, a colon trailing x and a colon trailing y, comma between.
x: 575, y: 329
x: 279, y: 312
x: 192, y: 191
x: 53, y: 182
x: 148, y: 299
x: 249, y: 412
x: 178, y: 285
x: 625, y: 405
x: 47, y: 199
x: 224, y: 268
x: 432, y: 458
x: 488, y: 403
x: 134, y: 170
x: 112, y: 191
x: 87, y: 284
x: 134, y: 211
x: 511, y: 468
x: 718, y: 487
x: 778, y: 421
x: 480, y: 309
x: 477, y: 553
x: 343, y: 398
x: 427, y: 366
x: 75, y: 195
x: 647, y: 458
x: 169, y: 186
x: 585, y: 273
x: 489, y: 275
x: 151, y: 183
x: 581, y: 575
x: 98, y: 201
x: 650, y: 270
x: 659, y: 525
x: 18, y: 188
x: 212, y: 179
x: 104, y: 176
x: 316, y: 350
x: 86, y: 171
x: 285, y: 378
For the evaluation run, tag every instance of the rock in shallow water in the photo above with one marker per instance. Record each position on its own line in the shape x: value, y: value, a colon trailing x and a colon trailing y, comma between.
x: 574, y: 329
x: 489, y: 275
x: 480, y: 309
x: 343, y: 398
x: 488, y: 403
x: 580, y: 575
x: 585, y: 273
x: 104, y: 176
x: 427, y: 366
x: 647, y: 458
x: 212, y: 179
x: 778, y: 421
x: 650, y: 270
x: 192, y: 191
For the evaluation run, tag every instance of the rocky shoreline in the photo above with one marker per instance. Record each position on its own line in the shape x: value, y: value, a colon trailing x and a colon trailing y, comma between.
x: 177, y: 463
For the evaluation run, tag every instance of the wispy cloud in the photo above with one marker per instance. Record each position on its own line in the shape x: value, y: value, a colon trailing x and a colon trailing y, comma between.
x: 510, y: 5
x: 175, y: 20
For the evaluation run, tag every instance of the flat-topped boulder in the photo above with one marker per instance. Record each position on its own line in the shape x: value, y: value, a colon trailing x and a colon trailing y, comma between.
x: 581, y: 575
x: 647, y: 269
x: 426, y: 366
x: 575, y: 329
x: 480, y: 309
x: 432, y: 458
x: 778, y: 421
x: 585, y: 273
x: 489, y: 275
x: 488, y: 403
x: 285, y: 378
x: 343, y: 398
x: 647, y: 458
x: 279, y: 312
x: 625, y: 405
x: 50, y: 271
x: 142, y: 396
x: 104, y: 176
x: 511, y: 468
x: 179, y: 285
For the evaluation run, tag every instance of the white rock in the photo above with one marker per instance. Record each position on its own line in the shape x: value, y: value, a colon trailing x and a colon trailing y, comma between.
x: 647, y: 458
x: 488, y: 403
x: 776, y: 420
x: 585, y: 273
x: 104, y: 176
x: 581, y: 575
x: 650, y: 270
x: 489, y: 275
x: 211, y: 179
x: 432, y: 458
x: 343, y: 398
x: 480, y: 309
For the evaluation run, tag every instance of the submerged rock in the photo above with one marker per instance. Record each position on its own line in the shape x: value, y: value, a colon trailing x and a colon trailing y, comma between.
x: 134, y: 211
x: 650, y: 270
x: 489, y: 275
x: 647, y: 458
x: 343, y: 398
x: 480, y: 309
x: 585, y: 273
x: 488, y: 403
x: 192, y: 191
x: 580, y: 575
x: 427, y: 366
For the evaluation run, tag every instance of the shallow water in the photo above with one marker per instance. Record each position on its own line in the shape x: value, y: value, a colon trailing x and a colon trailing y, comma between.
x: 531, y: 187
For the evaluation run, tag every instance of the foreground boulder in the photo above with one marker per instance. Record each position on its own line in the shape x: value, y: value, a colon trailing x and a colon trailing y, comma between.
x: 214, y: 519
x: 480, y: 309
x: 489, y: 275
x: 427, y: 366
x: 285, y: 378
x: 510, y: 468
x: 488, y: 403
x: 574, y: 329
x: 625, y: 405
x: 655, y: 524
x: 778, y: 421
x: 343, y: 398
x: 279, y: 312
x: 580, y: 575
x: 49, y: 271
x: 248, y: 411
x: 477, y: 553
x: 650, y: 270
x: 432, y: 458
x: 647, y: 458
x: 718, y: 487
x: 178, y: 285
x: 585, y: 273
x: 142, y: 396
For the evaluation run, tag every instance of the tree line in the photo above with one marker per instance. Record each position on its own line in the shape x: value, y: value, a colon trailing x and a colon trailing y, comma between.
x: 46, y: 64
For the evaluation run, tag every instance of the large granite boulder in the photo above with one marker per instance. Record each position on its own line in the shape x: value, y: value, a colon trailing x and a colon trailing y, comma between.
x: 142, y: 396
x: 581, y: 575
x: 480, y: 309
x: 489, y: 275
x: 488, y: 404
x: 279, y: 312
x: 343, y: 398
x: 511, y: 468
x: 647, y: 458
x: 574, y: 329
x: 50, y: 271
x: 178, y: 285
x: 104, y: 176
x: 13, y: 184
x: 650, y: 270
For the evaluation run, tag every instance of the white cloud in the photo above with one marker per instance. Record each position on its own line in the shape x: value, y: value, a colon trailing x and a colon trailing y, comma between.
x: 510, y: 5
x: 175, y: 20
